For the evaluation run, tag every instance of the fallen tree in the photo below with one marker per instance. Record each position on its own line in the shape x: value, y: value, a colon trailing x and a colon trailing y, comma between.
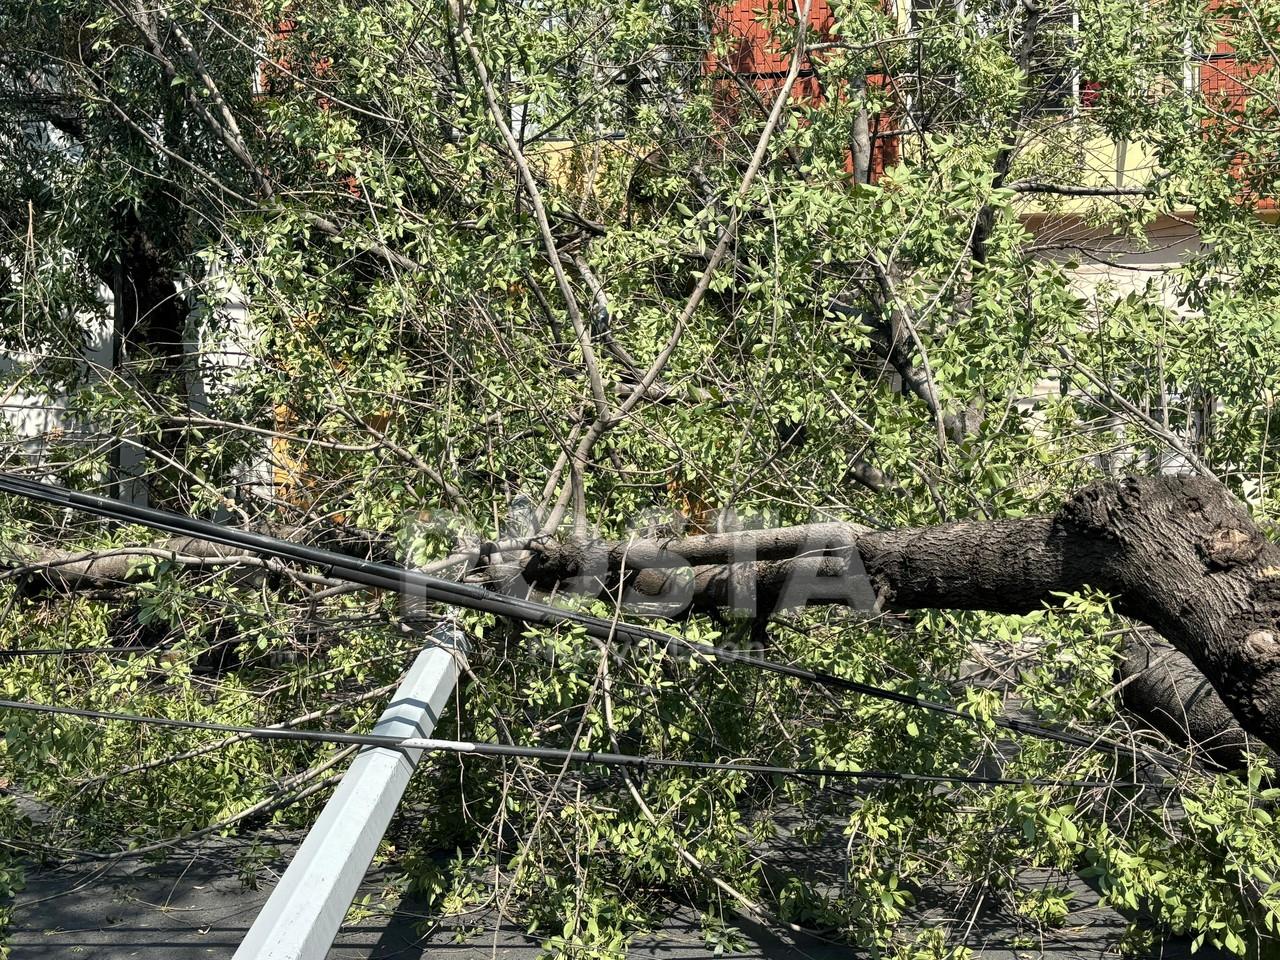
x: 1178, y: 553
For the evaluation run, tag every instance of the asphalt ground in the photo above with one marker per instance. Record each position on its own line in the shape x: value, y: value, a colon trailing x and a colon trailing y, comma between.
x: 200, y: 901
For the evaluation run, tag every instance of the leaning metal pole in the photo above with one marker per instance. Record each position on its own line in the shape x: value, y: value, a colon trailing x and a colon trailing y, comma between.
x: 305, y: 910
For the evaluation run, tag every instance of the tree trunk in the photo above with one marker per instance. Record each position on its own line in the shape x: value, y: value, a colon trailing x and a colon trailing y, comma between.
x: 147, y: 340
x: 1161, y: 686
x: 1178, y: 553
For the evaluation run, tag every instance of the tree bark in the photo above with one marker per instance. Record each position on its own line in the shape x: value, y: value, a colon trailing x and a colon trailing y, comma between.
x: 1178, y: 553
x: 71, y: 570
x: 148, y: 333
x: 1161, y: 686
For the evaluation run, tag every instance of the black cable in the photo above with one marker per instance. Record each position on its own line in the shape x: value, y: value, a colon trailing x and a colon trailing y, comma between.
x: 415, y: 584
x: 560, y: 755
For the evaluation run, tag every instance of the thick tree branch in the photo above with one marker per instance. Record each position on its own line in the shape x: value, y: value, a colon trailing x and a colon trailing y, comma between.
x: 90, y: 569
x: 1177, y: 553
x: 1073, y: 190
x: 1164, y: 688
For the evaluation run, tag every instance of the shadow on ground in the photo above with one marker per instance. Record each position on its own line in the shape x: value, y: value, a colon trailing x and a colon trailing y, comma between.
x: 195, y: 905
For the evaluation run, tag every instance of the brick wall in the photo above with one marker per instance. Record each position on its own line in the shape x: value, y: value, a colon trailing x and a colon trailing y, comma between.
x: 754, y: 45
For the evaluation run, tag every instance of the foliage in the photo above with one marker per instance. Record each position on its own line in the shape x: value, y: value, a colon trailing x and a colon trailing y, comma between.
x: 408, y: 368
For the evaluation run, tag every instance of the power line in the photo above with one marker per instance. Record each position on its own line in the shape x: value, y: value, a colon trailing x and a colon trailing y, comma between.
x: 482, y: 749
x: 412, y: 583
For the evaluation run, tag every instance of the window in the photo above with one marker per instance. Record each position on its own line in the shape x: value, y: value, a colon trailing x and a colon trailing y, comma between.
x: 1053, y: 75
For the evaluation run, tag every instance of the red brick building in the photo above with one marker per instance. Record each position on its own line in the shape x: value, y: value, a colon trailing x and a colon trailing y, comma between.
x: 748, y: 53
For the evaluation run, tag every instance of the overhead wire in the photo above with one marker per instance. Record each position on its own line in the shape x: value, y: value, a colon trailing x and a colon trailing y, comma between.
x: 419, y: 585
x: 560, y: 755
